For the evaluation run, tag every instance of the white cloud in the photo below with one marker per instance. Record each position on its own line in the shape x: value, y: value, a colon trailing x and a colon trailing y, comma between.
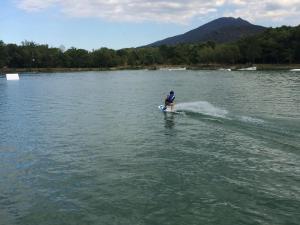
x: 275, y: 11
x: 177, y: 11
x: 174, y: 11
x: 36, y: 5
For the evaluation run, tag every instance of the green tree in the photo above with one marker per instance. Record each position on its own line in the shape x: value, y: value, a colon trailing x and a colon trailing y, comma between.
x: 77, y: 58
x: 206, y: 55
x: 105, y: 58
x: 3, y: 54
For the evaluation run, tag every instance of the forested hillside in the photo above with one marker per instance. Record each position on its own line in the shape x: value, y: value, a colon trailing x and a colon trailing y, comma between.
x: 273, y: 46
x: 222, y: 30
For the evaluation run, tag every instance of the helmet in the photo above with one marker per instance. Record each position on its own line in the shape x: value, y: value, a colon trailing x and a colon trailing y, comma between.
x: 172, y: 92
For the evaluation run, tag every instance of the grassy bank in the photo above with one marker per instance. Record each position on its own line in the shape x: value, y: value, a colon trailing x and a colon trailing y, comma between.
x: 240, y: 66
x: 154, y: 67
x: 55, y: 70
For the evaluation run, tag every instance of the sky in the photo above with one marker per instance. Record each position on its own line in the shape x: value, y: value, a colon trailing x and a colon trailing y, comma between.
x: 92, y: 24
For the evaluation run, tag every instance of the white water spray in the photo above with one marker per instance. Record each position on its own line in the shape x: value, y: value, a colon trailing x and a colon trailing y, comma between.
x: 202, y: 107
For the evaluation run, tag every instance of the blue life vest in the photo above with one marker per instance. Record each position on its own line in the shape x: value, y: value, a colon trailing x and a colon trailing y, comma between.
x: 171, y: 98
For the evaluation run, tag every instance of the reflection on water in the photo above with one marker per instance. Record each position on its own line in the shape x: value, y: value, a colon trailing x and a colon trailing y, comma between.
x: 169, y: 120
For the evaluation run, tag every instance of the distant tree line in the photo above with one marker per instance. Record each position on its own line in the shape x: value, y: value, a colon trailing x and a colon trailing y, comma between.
x: 274, y: 46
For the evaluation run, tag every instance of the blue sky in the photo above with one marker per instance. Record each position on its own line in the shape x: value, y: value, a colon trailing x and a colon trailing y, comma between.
x: 91, y: 24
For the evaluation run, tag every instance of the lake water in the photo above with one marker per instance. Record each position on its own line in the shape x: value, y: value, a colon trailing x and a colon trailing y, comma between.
x: 93, y: 148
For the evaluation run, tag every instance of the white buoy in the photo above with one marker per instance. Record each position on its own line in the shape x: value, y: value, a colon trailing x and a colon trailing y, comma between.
x: 12, y: 76
x: 295, y: 70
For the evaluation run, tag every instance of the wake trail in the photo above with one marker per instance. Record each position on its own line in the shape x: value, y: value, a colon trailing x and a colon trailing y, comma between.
x: 204, y: 108
x: 255, y: 127
x: 201, y: 107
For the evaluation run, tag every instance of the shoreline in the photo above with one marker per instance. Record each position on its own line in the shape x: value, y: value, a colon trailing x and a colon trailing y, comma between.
x: 279, y: 67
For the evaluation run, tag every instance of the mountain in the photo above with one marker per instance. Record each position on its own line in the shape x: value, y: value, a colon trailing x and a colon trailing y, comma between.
x: 222, y: 30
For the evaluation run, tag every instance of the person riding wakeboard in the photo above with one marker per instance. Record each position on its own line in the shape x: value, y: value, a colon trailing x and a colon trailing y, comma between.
x: 169, y: 101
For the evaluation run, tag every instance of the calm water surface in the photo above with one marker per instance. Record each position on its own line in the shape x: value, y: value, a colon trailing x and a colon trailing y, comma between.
x: 93, y: 148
